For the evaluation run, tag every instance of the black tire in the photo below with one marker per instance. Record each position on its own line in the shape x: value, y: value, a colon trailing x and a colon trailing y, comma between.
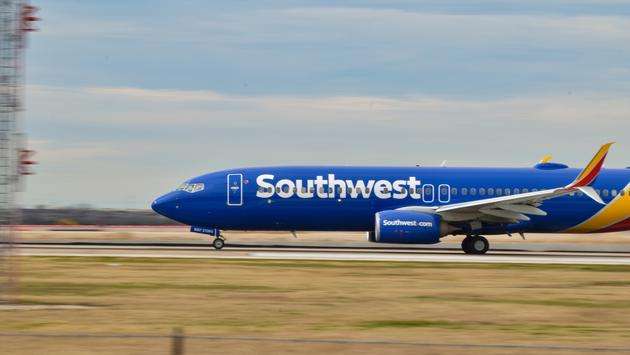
x: 475, y: 244
x: 218, y: 243
x: 478, y: 245
x: 466, y: 245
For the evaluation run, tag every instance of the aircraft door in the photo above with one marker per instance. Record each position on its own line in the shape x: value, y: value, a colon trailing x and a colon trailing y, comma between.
x: 444, y: 195
x: 428, y: 193
x: 235, y: 189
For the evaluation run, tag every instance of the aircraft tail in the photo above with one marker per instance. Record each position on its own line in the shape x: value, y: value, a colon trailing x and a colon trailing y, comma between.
x: 589, y: 174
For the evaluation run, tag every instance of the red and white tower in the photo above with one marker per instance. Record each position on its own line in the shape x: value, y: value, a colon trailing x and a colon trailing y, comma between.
x: 16, y: 20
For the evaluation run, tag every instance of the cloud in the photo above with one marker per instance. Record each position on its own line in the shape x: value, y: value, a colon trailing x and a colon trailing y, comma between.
x: 157, y: 95
x: 140, y: 105
x: 334, y: 24
x: 104, y: 136
x: 309, y: 25
x: 372, y: 49
x: 72, y: 152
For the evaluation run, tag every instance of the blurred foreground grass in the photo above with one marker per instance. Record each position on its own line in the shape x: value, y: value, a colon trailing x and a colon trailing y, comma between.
x: 574, y: 305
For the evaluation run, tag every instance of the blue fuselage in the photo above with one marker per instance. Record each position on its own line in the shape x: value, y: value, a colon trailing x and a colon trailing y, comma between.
x: 333, y: 198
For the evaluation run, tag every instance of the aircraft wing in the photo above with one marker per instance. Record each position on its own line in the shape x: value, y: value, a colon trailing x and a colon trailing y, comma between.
x: 514, y: 208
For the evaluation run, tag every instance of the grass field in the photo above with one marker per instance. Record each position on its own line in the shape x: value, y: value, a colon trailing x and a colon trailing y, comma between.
x: 575, y: 306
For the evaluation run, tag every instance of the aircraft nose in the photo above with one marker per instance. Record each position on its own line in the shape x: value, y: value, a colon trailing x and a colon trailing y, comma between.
x: 166, y: 205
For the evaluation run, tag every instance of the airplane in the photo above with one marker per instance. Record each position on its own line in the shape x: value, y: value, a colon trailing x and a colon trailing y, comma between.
x: 406, y: 205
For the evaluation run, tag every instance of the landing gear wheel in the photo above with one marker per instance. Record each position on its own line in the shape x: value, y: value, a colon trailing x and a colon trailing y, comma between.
x: 466, y: 245
x: 218, y: 243
x: 475, y: 244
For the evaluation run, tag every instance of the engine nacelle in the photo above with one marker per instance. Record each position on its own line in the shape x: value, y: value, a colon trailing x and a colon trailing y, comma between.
x: 408, y: 227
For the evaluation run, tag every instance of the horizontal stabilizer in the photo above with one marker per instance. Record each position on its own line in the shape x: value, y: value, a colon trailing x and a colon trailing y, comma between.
x: 590, y: 192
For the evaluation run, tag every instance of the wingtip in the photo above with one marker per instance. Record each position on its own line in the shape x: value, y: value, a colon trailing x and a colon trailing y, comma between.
x: 546, y: 159
x: 590, y: 172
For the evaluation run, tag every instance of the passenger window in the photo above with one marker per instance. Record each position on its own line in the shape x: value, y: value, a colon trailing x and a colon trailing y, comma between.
x: 534, y: 190
x: 490, y: 191
x: 321, y: 190
x: 330, y: 190
x: 499, y: 192
x: 464, y: 191
x: 482, y: 191
x: 517, y: 191
x: 349, y: 190
x: 473, y: 191
x: 507, y: 191
x: 358, y: 190
x: 614, y: 193
x: 277, y: 189
x: 367, y: 190
x: 454, y: 191
x: 605, y: 193
x: 304, y: 189
x: 525, y: 191
x: 312, y: 190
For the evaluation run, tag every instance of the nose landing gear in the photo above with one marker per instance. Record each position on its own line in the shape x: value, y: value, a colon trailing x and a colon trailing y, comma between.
x: 475, y: 244
x: 218, y: 243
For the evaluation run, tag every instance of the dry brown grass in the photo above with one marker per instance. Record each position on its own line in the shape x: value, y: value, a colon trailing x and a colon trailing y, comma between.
x: 418, y: 302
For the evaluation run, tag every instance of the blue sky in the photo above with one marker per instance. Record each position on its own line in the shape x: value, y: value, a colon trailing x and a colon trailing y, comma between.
x: 127, y: 99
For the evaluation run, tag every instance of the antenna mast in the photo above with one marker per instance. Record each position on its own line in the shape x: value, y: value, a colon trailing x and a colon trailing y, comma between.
x: 16, y: 19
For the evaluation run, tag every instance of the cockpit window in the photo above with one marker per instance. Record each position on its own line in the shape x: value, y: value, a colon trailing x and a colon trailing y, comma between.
x: 191, y: 187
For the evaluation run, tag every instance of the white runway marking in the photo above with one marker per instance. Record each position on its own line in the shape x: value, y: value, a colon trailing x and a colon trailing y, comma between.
x: 450, y: 258
x: 520, y: 258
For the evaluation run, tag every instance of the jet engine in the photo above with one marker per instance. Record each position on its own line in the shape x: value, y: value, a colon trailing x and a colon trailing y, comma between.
x: 408, y: 227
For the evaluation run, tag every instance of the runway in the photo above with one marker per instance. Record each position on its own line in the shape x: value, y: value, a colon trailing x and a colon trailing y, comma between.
x: 126, y: 250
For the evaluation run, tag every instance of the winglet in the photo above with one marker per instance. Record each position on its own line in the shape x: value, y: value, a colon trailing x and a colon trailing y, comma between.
x: 588, y: 175
x: 545, y: 159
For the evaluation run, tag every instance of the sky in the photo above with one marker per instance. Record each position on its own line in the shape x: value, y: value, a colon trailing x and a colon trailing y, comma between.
x: 127, y: 99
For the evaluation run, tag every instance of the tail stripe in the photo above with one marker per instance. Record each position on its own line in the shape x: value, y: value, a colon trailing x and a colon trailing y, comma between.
x: 614, y: 213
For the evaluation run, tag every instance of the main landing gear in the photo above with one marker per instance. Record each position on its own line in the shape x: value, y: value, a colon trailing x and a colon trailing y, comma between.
x: 475, y: 244
x: 218, y: 243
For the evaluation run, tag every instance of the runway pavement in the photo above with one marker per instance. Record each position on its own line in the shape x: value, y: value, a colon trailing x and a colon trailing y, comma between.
x: 187, y: 251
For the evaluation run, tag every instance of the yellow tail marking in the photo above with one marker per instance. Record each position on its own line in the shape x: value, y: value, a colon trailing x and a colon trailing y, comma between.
x: 616, y: 211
